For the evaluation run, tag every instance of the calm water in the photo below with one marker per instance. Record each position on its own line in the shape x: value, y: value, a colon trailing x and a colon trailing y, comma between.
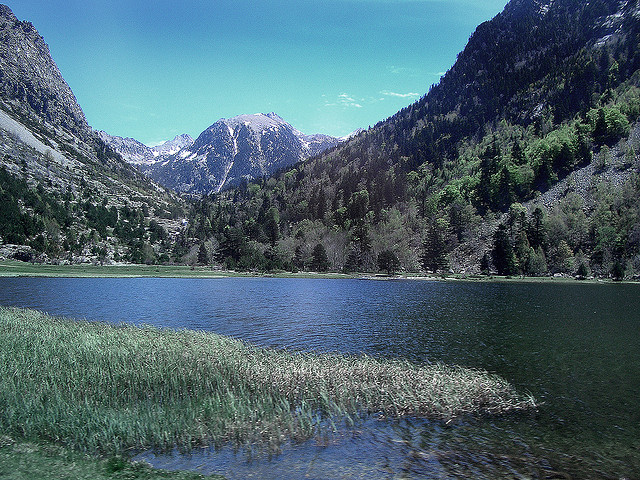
x: 574, y: 347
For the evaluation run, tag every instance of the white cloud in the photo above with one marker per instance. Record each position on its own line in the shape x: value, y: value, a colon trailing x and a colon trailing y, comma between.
x: 400, y: 70
x: 344, y: 100
x: 348, y: 101
x: 387, y: 93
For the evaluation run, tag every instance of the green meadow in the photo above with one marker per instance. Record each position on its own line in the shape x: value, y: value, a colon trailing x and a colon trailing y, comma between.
x: 17, y: 268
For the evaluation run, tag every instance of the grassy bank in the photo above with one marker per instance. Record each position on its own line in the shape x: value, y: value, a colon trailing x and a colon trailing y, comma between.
x: 14, y: 268
x: 107, y: 389
x: 21, y: 460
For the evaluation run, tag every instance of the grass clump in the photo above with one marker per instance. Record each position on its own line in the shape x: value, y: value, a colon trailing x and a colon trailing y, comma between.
x: 107, y: 389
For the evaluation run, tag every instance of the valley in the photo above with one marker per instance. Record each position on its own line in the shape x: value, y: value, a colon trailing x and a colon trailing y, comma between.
x: 427, y: 187
x: 253, y: 300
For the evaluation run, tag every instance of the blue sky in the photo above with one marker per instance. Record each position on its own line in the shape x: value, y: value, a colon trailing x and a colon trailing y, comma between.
x: 154, y: 69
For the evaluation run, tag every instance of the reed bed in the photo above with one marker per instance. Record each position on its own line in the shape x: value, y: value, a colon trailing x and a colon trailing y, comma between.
x: 108, y: 389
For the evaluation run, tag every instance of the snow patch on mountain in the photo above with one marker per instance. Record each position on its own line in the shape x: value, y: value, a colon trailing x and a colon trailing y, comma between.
x: 230, y: 150
x: 243, y: 147
x: 172, y: 147
x: 139, y: 154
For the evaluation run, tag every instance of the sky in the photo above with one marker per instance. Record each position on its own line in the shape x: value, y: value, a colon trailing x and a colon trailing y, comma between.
x: 154, y: 69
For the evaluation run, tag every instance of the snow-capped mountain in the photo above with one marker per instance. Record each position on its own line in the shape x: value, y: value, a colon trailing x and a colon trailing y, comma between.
x: 242, y: 147
x: 171, y: 147
x: 349, y: 136
x: 139, y: 154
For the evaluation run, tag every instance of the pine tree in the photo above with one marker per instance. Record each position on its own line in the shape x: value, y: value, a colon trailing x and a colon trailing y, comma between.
x: 434, y: 247
x: 354, y: 260
x: 320, y: 261
x: 536, y: 264
x: 504, y: 258
x: 388, y: 260
x: 517, y: 154
x: 271, y: 225
x: 485, y: 263
x: 536, y: 232
x: 203, y: 255
x: 505, y: 195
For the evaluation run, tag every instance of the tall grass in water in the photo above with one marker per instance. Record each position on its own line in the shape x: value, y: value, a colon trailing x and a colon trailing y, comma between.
x: 108, y: 388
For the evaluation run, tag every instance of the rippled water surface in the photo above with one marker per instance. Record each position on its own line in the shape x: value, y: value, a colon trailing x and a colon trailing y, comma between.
x: 575, y: 347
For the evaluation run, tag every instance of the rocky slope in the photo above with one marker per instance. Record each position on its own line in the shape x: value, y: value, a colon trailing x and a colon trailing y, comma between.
x: 59, y: 178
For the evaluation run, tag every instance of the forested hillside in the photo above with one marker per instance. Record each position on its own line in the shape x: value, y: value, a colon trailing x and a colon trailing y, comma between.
x: 521, y: 160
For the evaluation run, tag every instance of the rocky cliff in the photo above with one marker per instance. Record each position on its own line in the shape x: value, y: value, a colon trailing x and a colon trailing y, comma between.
x: 31, y: 86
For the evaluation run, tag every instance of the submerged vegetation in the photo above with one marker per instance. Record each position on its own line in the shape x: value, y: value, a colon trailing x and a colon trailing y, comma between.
x: 112, y: 389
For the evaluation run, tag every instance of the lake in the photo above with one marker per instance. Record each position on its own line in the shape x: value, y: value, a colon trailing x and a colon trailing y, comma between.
x: 575, y: 347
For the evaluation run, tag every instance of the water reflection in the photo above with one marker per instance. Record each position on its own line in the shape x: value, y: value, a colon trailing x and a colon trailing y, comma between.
x: 400, y: 449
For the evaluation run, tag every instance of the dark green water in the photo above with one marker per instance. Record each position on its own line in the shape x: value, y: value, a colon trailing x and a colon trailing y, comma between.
x: 575, y: 347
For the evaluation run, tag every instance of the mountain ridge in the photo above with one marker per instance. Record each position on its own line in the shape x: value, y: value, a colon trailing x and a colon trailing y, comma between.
x: 231, y: 150
x: 141, y: 155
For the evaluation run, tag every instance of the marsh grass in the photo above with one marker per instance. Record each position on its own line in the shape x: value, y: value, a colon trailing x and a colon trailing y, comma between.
x: 108, y: 389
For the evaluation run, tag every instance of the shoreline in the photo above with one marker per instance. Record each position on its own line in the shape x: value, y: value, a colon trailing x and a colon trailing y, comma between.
x: 15, y: 268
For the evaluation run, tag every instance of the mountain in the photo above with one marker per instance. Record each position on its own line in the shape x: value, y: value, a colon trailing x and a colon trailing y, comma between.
x: 230, y: 150
x: 31, y: 84
x: 65, y: 194
x: 522, y: 159
x: 171, y: 147
x: 142, y: 156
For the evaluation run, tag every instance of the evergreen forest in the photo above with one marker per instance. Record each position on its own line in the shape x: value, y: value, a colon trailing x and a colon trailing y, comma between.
x: 521, y: 161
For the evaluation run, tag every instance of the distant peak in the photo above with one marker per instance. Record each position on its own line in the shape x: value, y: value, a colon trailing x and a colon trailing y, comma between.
x: 172, y: 146
x: 349, y: 136
x: 182, y: 136
x: 256, y: 121
x: 273, y: 116
x: 259, y: 117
